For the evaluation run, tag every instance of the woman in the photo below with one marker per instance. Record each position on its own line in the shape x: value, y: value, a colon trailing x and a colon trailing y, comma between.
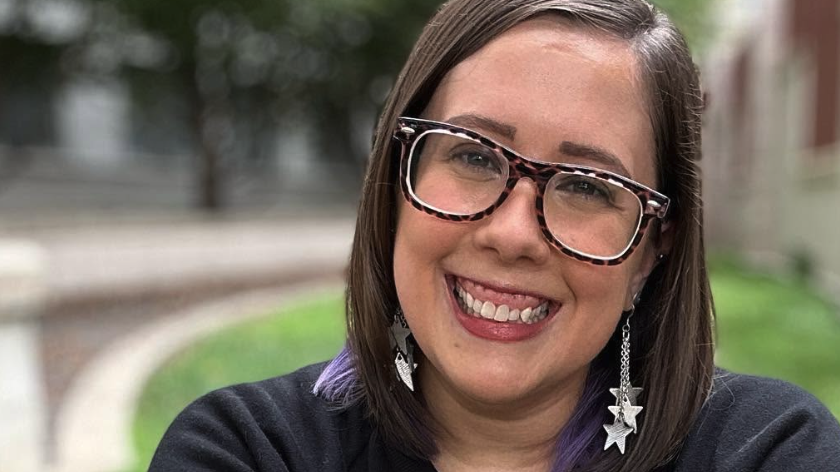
x: 527, y: 285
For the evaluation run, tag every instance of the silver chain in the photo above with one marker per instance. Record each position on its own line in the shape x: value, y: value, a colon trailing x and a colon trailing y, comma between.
x: 625, y: 366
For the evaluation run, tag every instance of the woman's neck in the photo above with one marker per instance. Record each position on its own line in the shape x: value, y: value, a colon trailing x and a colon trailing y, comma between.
x: 476, y: 435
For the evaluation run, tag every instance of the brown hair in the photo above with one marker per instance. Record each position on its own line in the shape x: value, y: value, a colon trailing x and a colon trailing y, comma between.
x: 672, y: 345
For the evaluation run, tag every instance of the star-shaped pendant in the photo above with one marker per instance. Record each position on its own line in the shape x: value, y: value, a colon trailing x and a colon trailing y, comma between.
x: 632, y: 393
x: 399, y: 334
x: 630, y: 413
x: 405, y: 367
x: 616, y: 434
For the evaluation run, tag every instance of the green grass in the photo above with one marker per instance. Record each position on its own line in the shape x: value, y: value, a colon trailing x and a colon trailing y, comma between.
x: 279, y: 343
x: 766, y: 326
x: 777, y: 328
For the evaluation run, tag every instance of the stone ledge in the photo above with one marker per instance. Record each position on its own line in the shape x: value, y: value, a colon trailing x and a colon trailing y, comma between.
x: 22, y: 287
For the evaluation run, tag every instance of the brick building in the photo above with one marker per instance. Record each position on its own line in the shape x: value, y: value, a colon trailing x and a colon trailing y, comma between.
x: 772, y: 156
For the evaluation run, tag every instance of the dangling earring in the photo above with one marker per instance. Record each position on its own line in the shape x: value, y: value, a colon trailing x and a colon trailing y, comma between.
x: 626, y: 396
x: 402, y: 349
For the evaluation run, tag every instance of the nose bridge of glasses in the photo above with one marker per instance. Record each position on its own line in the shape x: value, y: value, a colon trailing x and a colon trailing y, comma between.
x: 514, y: 212
x: 521, y: 168
x: 519, y: 184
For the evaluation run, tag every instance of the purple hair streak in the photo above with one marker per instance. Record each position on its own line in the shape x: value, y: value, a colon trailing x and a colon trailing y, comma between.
x: 338, y: 383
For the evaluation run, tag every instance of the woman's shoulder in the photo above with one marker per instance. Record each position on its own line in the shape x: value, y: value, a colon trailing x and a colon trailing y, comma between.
x: 275, y: 424
x: 760, y: 397
x: 757, y: 423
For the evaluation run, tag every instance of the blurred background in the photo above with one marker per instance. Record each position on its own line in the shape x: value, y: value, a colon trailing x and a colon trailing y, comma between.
x: 178, y: 183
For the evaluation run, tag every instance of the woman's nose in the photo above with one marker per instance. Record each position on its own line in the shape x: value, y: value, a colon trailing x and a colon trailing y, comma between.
x: 512, y: 231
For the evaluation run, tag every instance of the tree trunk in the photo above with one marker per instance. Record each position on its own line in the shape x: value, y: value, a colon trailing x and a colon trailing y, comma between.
x: 337, y: 148
x: 208, y: 174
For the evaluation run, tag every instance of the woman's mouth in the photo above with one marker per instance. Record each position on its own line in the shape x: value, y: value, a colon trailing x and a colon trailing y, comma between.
x: 499, y: 315
x: 528, y: 310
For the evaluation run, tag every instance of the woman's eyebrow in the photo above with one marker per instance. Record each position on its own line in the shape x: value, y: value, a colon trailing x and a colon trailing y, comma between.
x: 484, y: 123
x: 601, y: 156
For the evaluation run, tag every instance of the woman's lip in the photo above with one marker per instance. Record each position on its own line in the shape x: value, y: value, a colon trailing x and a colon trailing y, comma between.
x: 496, y: 288
x: 495, y: 330
x: 499, y: 295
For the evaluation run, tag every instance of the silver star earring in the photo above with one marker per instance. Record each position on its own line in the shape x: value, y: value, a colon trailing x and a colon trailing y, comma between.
x: 626, y: 407
x: 402, y: 349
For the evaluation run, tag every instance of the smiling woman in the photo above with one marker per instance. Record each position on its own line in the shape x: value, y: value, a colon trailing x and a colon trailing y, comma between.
x: 527, y: 286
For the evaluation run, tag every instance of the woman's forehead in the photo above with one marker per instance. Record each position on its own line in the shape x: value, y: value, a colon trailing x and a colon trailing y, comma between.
x: 555, y: 82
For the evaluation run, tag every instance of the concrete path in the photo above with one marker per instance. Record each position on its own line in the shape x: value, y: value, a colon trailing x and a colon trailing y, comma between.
x: 93, y: 428
x: 105, y: 280
x: 142, y: 258
x: 213, y: 272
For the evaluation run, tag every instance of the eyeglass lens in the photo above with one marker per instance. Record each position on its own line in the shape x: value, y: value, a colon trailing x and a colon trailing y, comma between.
x: 458, y: 175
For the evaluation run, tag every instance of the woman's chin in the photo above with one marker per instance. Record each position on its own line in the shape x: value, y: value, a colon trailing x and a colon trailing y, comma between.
x: 490, y: 385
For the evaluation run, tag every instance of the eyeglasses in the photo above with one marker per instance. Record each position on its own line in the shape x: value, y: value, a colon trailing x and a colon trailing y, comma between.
x: 590, y: 214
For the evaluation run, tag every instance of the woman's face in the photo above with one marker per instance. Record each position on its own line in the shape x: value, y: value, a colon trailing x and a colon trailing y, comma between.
x: 536, y: 88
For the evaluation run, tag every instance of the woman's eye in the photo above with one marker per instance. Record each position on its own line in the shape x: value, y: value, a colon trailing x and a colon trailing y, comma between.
x: 585, y: 189
x: 477, y: 160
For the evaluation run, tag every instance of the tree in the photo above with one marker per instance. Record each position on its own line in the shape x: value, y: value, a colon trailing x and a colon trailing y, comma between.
x: 31, y: 52
x: 249, y: 63
x: 31, y: 49
x: 241, y: 67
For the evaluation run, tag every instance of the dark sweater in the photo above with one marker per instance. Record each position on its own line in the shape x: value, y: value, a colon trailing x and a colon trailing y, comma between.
x: 748, y: 424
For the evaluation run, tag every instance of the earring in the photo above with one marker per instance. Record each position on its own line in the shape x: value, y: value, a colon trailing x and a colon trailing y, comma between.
x: 402, y: 349
x: 626, y: 408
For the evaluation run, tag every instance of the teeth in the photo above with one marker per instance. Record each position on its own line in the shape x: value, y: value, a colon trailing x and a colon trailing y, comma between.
x: 537, y: 314
x: 526, y: 315
x: 502, y: 313
x: 488, y: 310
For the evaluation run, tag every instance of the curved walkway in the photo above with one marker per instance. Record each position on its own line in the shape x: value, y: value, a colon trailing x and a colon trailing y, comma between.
x: 93, y: 427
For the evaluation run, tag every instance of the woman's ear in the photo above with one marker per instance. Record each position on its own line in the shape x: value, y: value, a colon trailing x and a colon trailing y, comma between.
x: 658, y: 248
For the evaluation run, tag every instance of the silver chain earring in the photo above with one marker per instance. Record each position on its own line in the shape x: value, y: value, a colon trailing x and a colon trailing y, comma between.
x: 626, y: 407
x: 402, y: 349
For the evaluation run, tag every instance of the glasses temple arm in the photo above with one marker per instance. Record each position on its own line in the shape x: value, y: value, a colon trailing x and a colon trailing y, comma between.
x: 657, y: 209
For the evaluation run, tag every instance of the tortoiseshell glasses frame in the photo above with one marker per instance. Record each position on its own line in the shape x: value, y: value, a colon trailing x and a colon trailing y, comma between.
x: 652, y: 203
